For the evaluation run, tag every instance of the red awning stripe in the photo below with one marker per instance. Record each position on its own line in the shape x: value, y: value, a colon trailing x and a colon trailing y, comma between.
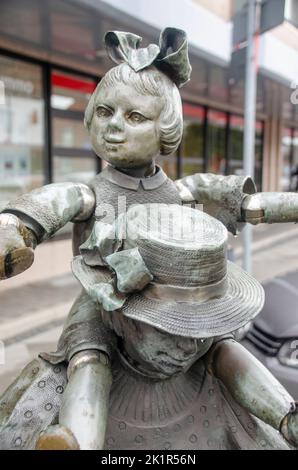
x: 190, y: 110
x: 64, y: 81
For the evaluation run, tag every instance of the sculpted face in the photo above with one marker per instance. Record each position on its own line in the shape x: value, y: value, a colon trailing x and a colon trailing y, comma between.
x: 153, y: 351
x: 125, y: 126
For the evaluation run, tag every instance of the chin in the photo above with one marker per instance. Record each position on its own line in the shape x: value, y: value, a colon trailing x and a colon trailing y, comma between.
x: 119, y: 162
x: 169, y: 368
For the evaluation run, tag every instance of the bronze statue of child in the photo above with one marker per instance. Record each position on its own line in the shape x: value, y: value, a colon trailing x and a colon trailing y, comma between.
x: 134, y: 115
x: 179, y: 379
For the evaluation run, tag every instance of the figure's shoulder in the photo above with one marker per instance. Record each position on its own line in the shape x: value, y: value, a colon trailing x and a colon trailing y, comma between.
x: 214, y: 185
x: 95, y: 180
x: 100, y: 184
x: 221, y: 196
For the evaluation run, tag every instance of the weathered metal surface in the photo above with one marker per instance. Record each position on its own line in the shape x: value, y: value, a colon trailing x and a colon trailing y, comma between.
x: 57, y: 437
x: 250, y: 383
x: 31, y: 404
x: 220, y: 196
x: 16, y: 246
x: 171, y: 56
x: 270, y: 208
x: 54, y: 205
x: 87, y: 393
x: 292, y: 428
x: 190, y: 410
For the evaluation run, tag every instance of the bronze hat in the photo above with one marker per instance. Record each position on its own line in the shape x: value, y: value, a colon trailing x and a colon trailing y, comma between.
x: 171, y: 271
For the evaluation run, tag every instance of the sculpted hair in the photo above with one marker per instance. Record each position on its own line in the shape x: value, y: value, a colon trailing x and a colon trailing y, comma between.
x: 153, y: 82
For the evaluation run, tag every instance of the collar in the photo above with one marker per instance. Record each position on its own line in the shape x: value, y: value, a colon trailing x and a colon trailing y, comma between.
x: 130, y: 182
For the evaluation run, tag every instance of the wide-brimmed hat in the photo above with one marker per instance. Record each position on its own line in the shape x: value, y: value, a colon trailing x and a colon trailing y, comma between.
x: 168, y: 268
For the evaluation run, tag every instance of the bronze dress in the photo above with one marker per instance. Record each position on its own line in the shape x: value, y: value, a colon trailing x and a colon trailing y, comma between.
x: 83, y: 329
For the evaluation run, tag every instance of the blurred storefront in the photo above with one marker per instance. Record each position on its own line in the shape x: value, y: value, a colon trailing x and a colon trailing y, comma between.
x: 52, y: 57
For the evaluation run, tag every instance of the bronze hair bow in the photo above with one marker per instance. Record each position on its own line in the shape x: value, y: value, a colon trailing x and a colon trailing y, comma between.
x: 171, y: 56
x: 103, y: 252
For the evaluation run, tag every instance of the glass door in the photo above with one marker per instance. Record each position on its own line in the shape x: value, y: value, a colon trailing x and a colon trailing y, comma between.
x: 21, y: 128
x: 236, y: 148
x: 73, y: 158
x: 217, y: 125
x: 286, y: 182
x: 192, y: 146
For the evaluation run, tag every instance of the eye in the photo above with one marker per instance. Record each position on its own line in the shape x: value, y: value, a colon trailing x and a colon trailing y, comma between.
x: 136, y: 118
x: 103, y: 112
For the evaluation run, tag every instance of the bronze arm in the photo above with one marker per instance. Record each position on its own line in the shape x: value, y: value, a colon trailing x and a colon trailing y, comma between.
x: 47, y: 209
x: 219, y: 196
x: 270, y: 208
x: 254, y: 387
x: 36, y: 216
x: 17, y: 245
x: 84, y: 409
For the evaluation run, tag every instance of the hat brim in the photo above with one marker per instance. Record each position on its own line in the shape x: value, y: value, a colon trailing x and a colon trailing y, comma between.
x: 242, y: 302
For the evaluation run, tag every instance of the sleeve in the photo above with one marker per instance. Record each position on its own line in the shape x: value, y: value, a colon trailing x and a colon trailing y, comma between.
x: 220, y: 196
x: 47, y: 209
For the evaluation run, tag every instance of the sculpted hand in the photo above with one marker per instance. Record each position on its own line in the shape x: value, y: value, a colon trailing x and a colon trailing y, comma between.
x: 16, y: 246
x: 291, y: 432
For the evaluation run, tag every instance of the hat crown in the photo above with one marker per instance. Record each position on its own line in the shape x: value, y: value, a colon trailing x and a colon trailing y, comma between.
x: 179, y: 245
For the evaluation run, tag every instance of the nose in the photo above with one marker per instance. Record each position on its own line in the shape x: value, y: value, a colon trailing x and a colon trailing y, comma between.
x: 116, y: 123
x: 187, y: 345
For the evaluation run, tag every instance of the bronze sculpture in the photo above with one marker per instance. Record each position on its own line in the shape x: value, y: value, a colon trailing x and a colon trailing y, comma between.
x: 134, y: 114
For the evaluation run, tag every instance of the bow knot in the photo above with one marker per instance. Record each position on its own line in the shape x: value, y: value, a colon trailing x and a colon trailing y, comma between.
x: 106, y: 271
x: 170, y: 56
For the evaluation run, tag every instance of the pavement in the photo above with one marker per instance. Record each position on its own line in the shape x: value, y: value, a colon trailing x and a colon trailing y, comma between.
x: 34, y: 305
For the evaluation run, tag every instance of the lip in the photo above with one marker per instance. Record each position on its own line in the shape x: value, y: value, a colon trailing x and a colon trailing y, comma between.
x: 114, y: 141
x: 175, y: 362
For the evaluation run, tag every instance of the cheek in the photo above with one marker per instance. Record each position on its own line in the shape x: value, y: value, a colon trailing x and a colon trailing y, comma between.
x: 146, y: 346
x: 147, y: 137
x: 97, y: 129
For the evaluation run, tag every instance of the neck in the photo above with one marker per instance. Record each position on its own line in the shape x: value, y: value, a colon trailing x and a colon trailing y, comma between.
x: 141, y: 172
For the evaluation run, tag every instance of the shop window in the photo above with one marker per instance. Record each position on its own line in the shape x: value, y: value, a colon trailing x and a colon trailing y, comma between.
x: 217, y: 124
x: 236, y: 145
x: 236, y: 149
x: 293, y: 151
x: 192, y: 160
x: 285, y: 182
x: 295, y: 148
x: 21, y: 128
x: 258, y: 176
x: 73, y: 157
x: 74, y: 169
x: 169, y: 164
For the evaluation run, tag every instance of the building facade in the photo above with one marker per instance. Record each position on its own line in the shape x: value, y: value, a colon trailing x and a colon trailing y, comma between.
x: 52, y: 57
